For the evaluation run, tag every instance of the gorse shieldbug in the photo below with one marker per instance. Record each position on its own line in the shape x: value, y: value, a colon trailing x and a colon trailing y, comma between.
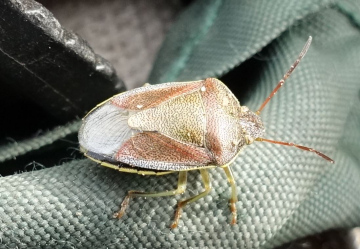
x: 176, y: 127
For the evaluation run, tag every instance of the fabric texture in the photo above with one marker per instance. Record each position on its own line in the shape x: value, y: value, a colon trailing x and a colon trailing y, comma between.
x: 284, y: 193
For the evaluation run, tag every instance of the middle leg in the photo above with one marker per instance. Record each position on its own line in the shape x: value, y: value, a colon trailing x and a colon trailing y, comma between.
x: 181, y: 204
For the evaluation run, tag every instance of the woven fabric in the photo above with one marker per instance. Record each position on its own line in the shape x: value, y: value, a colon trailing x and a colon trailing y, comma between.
x: 19, y: 148
x: 284, y: 193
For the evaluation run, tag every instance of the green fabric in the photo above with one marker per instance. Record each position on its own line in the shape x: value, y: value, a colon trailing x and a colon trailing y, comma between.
x: 284, y: 193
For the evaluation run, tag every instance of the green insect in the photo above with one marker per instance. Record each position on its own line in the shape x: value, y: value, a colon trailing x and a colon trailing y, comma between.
x: 176, y: 127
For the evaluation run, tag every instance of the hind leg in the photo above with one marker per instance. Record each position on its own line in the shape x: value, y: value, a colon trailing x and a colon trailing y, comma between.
x: 133, y: 193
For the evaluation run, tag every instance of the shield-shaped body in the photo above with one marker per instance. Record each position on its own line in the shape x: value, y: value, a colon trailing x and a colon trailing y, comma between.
x: 176, y: 127
x: 166, y: 127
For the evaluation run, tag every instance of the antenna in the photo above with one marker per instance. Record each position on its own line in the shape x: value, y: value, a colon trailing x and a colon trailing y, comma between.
x: 297, y: 146
x: 287, y: 75
x: 279, y: 85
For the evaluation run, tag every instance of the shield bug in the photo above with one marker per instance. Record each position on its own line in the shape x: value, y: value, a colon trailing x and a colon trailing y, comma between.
x: 176, y: 127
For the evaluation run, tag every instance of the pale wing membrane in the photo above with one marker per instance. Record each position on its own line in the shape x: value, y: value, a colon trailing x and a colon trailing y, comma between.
x: 105, y: 130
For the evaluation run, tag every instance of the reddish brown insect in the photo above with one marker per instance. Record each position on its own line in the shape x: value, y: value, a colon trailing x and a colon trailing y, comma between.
x: 176, y: 127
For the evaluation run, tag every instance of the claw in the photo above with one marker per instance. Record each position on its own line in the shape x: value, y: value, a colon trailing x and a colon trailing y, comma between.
x: 177, y: 216
x: 233, y: 212
x: 124, y: 205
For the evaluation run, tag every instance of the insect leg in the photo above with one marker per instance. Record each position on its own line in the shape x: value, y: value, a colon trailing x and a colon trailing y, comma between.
x: 233, y: 198
x: 133, y: 193
x: 181, y: 204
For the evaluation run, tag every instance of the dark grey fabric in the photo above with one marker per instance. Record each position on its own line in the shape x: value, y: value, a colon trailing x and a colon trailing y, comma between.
x: 19, y: 148
x: 128, y: 33
x: 284, y: 193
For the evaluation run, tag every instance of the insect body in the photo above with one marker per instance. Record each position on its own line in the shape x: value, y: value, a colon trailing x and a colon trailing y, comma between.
x: 175, y: 127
